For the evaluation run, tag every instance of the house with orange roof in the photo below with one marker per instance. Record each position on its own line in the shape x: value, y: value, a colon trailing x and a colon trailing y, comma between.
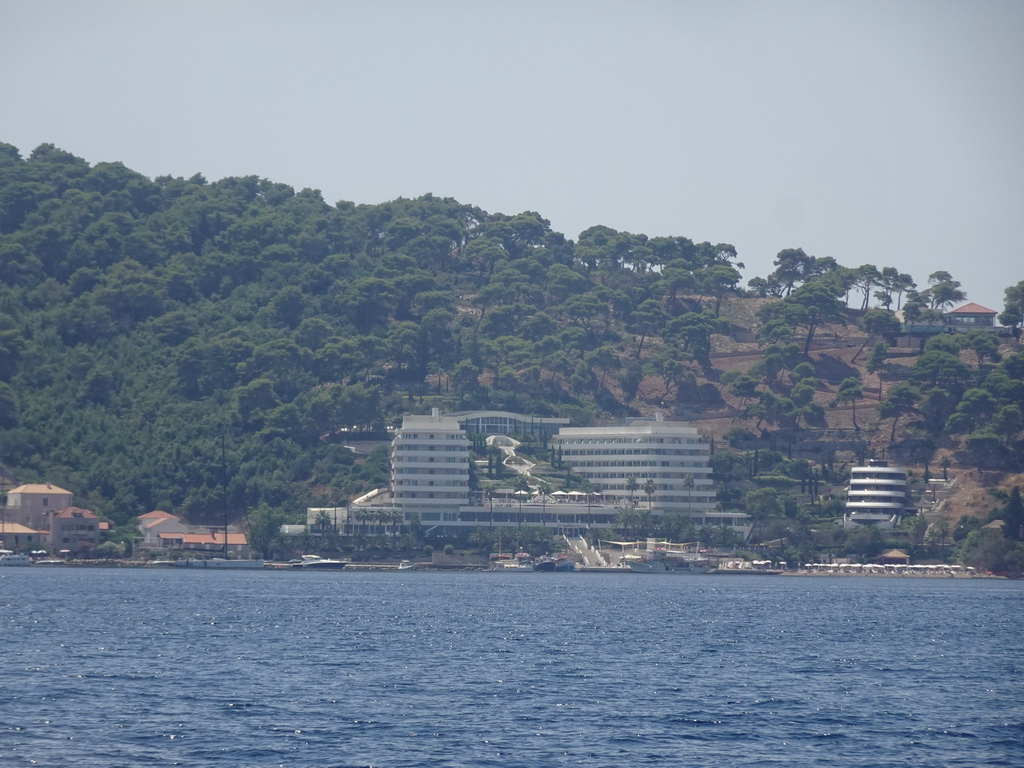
x: 75, y: 530
x: 162, y: 531
x: 971, y: 317
x: 33, y: 504
x: 157, y: 522
x: 18, y: 537
x: 212, y: 541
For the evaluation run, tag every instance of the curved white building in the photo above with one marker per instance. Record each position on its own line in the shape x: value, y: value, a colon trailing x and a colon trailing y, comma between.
x: 878, y: 496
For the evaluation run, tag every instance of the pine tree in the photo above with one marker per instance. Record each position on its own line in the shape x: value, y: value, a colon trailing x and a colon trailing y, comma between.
x: 1013, y: 516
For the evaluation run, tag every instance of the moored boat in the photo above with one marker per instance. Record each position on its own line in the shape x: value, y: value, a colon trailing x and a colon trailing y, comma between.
x: 8, y: 558
x: 676, y: 566
x: 513, y: 566
x: 557, y: 564
x: 219, y: 563
x: 665, y: 557
x: 317, y: 563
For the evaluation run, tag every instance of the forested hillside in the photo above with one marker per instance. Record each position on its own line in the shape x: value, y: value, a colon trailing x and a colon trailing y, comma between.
x: 142, y: 321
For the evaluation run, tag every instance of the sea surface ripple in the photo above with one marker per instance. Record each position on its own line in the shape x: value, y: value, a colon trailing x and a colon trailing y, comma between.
x: 129, y: 667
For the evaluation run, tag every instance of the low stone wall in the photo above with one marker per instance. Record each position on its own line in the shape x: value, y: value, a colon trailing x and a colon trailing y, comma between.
x: 441, y: 560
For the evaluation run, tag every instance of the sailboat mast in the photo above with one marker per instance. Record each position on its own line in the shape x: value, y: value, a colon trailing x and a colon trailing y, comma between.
x: 224, y: 489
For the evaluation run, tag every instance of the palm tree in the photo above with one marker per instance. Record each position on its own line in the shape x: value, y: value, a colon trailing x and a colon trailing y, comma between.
x: 631, y: 485
x: 521, y: 489
x: 482, y: 539
x: 489, y: 494
x: 649, y: 489
x: 395, y: 519
x: 545, y: 489
x: 323, y: 521
x: 626, y: 519
x: 688, y: 483
x: 361, y: 516
x: 939, y: 532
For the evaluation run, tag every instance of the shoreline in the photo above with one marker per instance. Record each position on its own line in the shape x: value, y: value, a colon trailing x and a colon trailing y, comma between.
x: 938, y: 573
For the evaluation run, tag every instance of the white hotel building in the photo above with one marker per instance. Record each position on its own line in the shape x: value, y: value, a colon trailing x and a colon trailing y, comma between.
x: 878, y: 496
x: 671, y: 454
x: 430, y: 468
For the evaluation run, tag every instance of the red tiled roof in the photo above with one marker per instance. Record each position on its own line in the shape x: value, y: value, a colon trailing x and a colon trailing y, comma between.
x: 159, y: 521
x: 973, y: 309
x: 157, y: 514
x: 69, y: 512
x: 206, y: 538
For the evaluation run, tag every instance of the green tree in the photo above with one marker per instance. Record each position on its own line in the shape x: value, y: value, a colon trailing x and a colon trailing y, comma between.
x: 883, y: 324
x: 1013, y: 307
x: 632, y: 486
x: 744, y: 387
x: 1013, y: 517
x: 901, y: 400
x: 876, y: 360
x: 762, y: 503
x: 866, y: 277
x: 849, y: 391
x: 894, y: 281
x: 792, y: 266
x: 975, y: 408
x: 984, y: 345
x: 810, y: 306
x: 647, y: 319
x: 717, y: 280
x: 649, y: 490
x: 985, y: 550
x: 1007, y: 422
x: 263, y: 525
x: 943, y: 290
x: 8, y: 406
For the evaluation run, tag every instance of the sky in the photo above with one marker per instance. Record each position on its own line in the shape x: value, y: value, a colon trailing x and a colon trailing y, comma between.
x: 885, y: 133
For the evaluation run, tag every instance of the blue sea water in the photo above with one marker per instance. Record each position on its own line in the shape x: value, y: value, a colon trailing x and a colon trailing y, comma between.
x: 124, y: 667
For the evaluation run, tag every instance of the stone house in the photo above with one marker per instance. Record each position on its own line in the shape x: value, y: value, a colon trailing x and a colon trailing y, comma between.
x: 75, y: 530
x: 33, y: 504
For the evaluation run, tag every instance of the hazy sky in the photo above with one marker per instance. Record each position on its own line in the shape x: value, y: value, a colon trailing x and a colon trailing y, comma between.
x: 889, y: 133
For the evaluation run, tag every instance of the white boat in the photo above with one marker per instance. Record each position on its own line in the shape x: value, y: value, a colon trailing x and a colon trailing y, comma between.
x: 8, y: 558
x: 665, y: 557
x: 317, y: 563
x: 407, y: 565
x: 513, y: 566
x: 219, y: 563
